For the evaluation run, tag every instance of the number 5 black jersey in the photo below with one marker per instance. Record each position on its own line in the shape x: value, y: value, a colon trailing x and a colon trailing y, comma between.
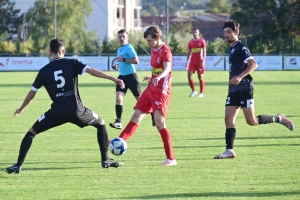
x: 60, y: 78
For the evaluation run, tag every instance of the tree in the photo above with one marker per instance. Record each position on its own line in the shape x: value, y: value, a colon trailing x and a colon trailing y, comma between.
x: 7, y: 47
x: 10, y: 18
x: 269, y: 18
x: 107, y: 47
x: 219, y: 46
x: 182, y: 28
x: 218, y: 6
x: 71, y: 23
x: 174, y: 45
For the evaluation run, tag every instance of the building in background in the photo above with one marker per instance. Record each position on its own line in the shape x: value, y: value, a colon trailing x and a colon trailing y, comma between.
x: 108, y: 16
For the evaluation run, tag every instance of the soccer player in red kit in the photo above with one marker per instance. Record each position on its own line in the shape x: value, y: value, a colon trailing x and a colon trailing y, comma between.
x: 156, y: 97
x: 196, y: 61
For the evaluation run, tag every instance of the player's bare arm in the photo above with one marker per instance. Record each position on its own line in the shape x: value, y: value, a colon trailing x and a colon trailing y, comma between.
x: 101, y: 74
x: 252, y: 65
x: 204, y: 55
x: 165, y: 72
x: 134, y: 60
x: 188, y: 58
x: 27, y: 100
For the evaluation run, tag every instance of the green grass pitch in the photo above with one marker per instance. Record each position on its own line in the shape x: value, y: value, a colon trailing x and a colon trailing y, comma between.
x: 63, y: 163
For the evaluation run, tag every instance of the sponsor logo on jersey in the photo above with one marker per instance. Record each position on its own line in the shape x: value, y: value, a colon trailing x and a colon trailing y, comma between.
x: 65, y: 93
x: 156, y: 71
x: 196, y: 50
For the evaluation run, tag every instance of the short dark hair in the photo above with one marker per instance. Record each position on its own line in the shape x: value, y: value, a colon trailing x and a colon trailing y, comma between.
x: 154, y: 31
x: 56, y: 45
x: 234, y: 25
x: 122, y: 31
x: 195, y: 29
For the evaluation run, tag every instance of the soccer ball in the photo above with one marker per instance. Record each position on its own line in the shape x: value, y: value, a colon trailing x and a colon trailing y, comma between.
x: 118, y: 146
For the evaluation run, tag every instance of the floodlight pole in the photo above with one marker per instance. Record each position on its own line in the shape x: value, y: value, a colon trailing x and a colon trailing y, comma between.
x: 167, y: 32
x: 54, y: 18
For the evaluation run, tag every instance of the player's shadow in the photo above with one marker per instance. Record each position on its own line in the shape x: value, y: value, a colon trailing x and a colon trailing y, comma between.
x: 250, y: 138
x: 199, y: 146
x: 216, y: 194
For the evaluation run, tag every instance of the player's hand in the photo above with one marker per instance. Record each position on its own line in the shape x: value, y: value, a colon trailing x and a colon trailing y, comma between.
x: 235, y: 80
x: 120, y: 82
x: 115, y: 67
x: 147, y: 78
x: 155, y: 81
x: 187, y: 66
x: 18, y: 111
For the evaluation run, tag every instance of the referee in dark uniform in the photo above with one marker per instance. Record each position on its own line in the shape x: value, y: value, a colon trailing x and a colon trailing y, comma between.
x: 60, y: 78
x: 240, y: 92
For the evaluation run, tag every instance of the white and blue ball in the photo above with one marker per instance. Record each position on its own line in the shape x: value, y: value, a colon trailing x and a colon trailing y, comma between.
x: 118, y: 146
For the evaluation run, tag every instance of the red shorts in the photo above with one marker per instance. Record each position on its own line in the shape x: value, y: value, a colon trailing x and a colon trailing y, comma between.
x: 151, y: 101
x: 196, y: 66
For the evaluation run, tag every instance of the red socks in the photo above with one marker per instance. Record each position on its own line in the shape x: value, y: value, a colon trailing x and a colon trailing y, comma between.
x: 191, y: 82
x: 166, y: 138
x: 129, y: 130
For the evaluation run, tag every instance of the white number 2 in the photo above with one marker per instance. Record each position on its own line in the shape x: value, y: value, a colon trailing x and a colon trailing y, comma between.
x: 61, y: 78
x: 228, y: 100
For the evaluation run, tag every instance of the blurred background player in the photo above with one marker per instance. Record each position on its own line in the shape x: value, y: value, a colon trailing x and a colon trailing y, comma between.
x: 126, y: 57
x: 240, y: 90
x: 156, y: 96
x: 196, y: 61
x: 60, y: 78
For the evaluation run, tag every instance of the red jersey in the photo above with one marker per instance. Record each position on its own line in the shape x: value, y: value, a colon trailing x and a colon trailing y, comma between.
x: 195, y: 46
x: 158, y: 57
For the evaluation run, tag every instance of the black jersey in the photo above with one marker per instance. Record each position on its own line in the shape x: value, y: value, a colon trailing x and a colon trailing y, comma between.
x: 238, y: 57
x: 60, y: 78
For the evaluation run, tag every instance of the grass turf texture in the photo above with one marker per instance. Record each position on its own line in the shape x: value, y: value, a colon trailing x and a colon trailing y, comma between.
x: 63, y: 163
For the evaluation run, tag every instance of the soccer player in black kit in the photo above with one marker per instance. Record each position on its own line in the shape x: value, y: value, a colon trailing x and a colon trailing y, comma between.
x: 60, y: 78
x: 240, y: 92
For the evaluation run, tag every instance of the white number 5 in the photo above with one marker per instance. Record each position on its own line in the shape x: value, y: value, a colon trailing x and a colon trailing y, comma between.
x: 61, y: 78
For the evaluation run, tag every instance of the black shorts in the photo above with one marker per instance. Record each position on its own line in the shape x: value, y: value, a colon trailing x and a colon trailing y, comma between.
x: 131, y: 82
x: 242, y: 98
x: 57, y: 116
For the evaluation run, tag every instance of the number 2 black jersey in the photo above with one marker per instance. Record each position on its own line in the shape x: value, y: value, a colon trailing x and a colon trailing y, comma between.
x: 238, y: 57
x: 60, y: 78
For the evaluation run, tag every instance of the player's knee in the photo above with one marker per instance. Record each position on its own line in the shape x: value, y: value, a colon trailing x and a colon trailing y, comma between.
x: 32, y: 131
x: 101, y: 121
x: 119, y: 99
x: 228, y: 120
x: 252, y: 122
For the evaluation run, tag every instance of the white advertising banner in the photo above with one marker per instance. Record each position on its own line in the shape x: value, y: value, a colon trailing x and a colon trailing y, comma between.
x: 265, y: 62
x: 22, y: 63
x: 291, y: 62
x: 97, y: 62
x: 179, y: 63
x: 144, y: 64
x: 214, y: 63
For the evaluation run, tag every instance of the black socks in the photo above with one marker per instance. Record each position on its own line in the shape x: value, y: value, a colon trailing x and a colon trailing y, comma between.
x: 267, y: 119
x: 24, y: 148
x: 119, y: 111
x: 230, y: 136
x: 102, y: 141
